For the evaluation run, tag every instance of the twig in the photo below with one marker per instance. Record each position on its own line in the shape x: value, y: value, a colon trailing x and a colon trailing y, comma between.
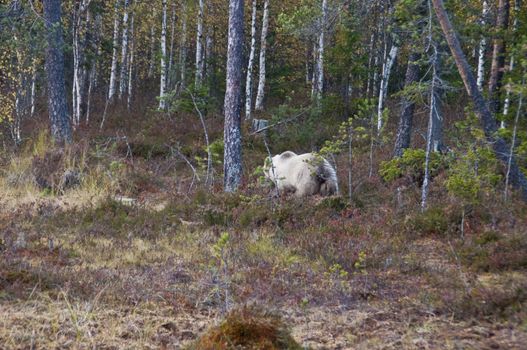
x: 279, y: 123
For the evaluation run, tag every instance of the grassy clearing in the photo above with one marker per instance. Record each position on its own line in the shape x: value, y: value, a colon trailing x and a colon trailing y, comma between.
x: 130, y: 258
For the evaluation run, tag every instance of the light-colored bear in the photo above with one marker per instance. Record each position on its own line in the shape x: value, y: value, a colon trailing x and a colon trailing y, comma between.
x: 304, y: 175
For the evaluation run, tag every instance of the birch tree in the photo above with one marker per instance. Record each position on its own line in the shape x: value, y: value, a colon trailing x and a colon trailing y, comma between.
x: 385, y: 79
x: 259, y: 106
x: 131, y: 64
x: 498, y: 57
x: 250, y: 65
x: 320, y: 54
x: 79, y: 28
x: 113, y: 70
x: 232, y: 104
x: 482, y: 46
x: 123, y: 85
x: 507, y: 102
x: 199, y: 46
x: 57, y: 105
x: 163, y: 79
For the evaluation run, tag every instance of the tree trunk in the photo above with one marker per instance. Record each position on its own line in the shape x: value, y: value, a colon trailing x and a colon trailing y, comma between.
x: 113, y: 71
x: 482, y: 46
x: 431, y: 120
x: 437, y: 125
x: 385, y: 79
x: 163, y: 79
x: 263, y: 50
x: 320, y: 58
x: 131, y: 65
x: 513, y: 141
x: 199, y: 46
x: 183, y: 49
x: 498, y: 57
x: 124, y: 52
x: 152, y: 64
x: 170, y: 82
x: 250, y: 66
x: 488, y: 122
x: 404, y: 131
x: 58, y: 108
x: 232, y: 104
x: 517, y: 4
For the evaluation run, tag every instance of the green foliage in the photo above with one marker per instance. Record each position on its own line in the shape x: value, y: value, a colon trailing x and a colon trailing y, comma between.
x: 411, y: 164
x: 472, y: 173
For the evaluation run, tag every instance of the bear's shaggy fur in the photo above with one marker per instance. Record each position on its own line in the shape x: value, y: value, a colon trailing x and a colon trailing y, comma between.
x: 304, y: 175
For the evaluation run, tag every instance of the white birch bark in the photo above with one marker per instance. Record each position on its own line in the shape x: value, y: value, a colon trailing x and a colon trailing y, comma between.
x: 33, y: 91
x: 507, y: 103
x: 320, y: 58
x: 482, y: 47
x: 163, y: 79
x: 199, y: 46
x: 152, y: 64
x: 113, y: 71
x: 385, y: 79
x: 250, y: 65
x: 426, y: 181
x: 171, y: 50
x: 131, y: 64
x: 124, y: 51
x: 79, y: 29
x: 263, y: 50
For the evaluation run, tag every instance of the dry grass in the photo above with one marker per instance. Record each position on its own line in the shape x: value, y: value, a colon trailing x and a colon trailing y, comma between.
x: 80, y: 270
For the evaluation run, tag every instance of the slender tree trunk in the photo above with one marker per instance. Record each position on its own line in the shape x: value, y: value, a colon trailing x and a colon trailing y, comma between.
x: 199, y: 46
x: 163, y: 80
x: 152, y: 64
x: 123, y: 84
x: 513, y: 142
x: 232, y: 105
x: 320, y: 58
x: 429, y: 138
x: 404, y: 131
x: 498, y: 57
x: 482, y: 47
x: 170, y: 82
x: 183, y: 49
x: 517, y: 4
x: 33, y: 90
x: 250, y: 65
x: 92, y: 75
x: 263, y: 51
x: 488, y: 122
x: 131, y: 65
x: 58, y: 108
x: 385, y: 79
x: 113, y: 71
x: 370, y: 61
x: 437, y: 125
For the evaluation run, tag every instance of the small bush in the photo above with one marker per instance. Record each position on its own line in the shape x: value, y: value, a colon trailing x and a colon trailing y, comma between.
x: 248, y: 328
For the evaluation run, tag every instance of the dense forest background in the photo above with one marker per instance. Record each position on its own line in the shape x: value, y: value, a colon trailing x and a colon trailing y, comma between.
x: 135, y: 213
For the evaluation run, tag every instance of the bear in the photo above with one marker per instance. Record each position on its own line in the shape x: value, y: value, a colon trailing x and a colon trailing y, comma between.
x: 303, y: 175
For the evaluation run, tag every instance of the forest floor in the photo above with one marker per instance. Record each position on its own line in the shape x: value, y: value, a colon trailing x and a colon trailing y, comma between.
x: 132, y: 259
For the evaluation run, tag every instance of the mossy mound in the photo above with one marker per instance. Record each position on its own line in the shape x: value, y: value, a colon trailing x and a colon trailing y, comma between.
x: 249, y: 328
